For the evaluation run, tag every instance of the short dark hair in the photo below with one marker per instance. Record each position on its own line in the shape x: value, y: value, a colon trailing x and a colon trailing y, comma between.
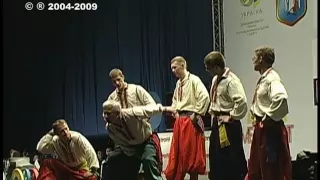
x: 181, y: 60
x: 267, y: 54
x: 115, y: 72
x: 215, y: 58
x: 57, y: 123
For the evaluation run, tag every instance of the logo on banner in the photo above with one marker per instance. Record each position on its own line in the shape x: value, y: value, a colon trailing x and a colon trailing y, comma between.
x: 251, y: 18
x: 290, y: 12
x: 248, y: 3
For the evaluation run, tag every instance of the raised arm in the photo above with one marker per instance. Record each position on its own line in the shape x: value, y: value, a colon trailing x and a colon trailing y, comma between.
x: 90, y: 153
x: 45, y: 145
x: 279, y: 106
x: 202, y: 97
x: 238, y: 96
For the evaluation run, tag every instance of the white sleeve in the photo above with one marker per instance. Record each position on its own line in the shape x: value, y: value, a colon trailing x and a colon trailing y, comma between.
x: 238, y: 96
x: 90, y: 153
x: 45, y: 145
x: 202, y: 97
x: 279, y: 105
x: 142, y: 112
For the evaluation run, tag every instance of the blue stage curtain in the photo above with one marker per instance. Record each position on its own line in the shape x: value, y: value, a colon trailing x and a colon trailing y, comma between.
x: 56, y: 63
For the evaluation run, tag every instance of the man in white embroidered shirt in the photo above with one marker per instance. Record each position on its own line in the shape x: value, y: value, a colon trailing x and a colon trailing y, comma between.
x: 128, y: 95
x: 131, y: 95
x: 76, y: 157
x: 228, y: 106
x: 190, y: 100
x: 131, y: 132
x: 270, y: 154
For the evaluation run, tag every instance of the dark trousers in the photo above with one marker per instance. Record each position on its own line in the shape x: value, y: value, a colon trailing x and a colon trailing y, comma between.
x: 122, y: 167
x: 270, y: 153
x: 228, y: 163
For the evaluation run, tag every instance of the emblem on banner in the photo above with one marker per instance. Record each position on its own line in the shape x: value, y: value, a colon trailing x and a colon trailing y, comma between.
x: 248, y: 3
x: 290, y: 12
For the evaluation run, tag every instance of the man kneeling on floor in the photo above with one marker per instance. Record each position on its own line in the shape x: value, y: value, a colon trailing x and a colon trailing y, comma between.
x: 131, y: 132
x: 76, y: 157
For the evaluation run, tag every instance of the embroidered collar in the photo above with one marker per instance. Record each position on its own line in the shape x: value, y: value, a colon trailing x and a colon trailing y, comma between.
x: 186, y: 77
x: 226, y: 73
x: 266, y: 72
x: 125, y: 87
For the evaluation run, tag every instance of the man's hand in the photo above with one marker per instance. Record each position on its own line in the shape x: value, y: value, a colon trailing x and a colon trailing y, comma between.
x: 175, y: 114
x: 93, y: 172
x: 88, y: 174
x: 254, y: 122
x: 224, y: 118
x: 195, y: 117
x: 168, y: 109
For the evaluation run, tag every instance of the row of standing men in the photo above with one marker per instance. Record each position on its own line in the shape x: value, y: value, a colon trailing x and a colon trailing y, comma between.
x: 227, y: 102
x: 127, y: 113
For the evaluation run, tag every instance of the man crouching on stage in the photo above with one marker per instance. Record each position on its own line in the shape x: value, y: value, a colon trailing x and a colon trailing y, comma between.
x: 76, y: 157
x: 131, y: 132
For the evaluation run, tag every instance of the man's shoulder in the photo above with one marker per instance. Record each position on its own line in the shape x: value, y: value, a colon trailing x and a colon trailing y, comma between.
x: 113, y: 93
x: 194, y: 77
x: 134, y: 86
x: 233, y: 77
x: 76, y: 135
x: 273, y: 76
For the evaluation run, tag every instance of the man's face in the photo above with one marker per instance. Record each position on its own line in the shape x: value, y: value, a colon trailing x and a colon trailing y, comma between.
x: 177, y: 69
x: 108, y: 151
x: 99, y: 154
x: 109, y: 116
x: 63, y: 132
x: 211, y: 70
x: 256, y: 60
x: 118, y: 82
